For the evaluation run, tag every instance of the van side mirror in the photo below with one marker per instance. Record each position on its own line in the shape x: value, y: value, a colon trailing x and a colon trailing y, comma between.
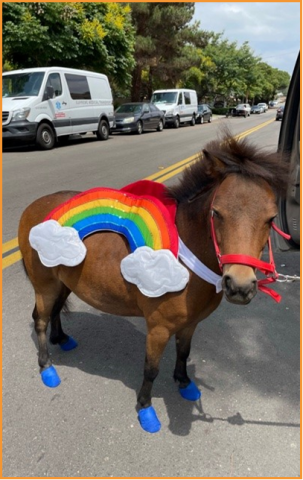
x: 49, y: 93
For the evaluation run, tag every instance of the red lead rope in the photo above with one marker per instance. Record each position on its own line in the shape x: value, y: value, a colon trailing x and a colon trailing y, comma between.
x: 268, y: 268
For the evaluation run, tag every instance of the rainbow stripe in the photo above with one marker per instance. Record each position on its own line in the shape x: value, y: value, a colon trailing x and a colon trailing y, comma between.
x: 144, y: 221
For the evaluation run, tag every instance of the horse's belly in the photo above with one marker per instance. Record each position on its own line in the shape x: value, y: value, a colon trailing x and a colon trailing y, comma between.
x: 98, y: 280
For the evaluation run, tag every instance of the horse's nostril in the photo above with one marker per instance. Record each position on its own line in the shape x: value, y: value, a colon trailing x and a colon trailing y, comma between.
x: 233, y: 289
x: 226, y: 282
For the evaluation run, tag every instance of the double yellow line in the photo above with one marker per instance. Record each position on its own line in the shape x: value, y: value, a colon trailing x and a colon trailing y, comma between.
x: 165, y: 174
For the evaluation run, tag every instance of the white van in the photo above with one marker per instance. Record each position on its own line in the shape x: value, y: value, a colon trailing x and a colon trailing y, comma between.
x: 180, y: 105
x: 44, y: 104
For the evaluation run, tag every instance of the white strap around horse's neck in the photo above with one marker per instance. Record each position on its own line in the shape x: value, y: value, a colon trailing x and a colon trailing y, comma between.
x: 192, y: 262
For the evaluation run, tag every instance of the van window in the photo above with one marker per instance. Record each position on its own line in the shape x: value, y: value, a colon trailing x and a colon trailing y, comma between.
x: 164, y: 97
x: 99, y: 88
x: 54, y: 81
x: 22, y: 84
x: 78, y: 86
x: 180, y: 99
x: 187, y: 98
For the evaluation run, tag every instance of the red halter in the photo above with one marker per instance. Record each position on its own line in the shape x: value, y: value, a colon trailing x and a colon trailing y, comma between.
x: 269, y: 269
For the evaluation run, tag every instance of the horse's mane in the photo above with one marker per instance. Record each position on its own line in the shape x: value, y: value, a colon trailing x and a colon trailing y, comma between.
x: 229, y: 155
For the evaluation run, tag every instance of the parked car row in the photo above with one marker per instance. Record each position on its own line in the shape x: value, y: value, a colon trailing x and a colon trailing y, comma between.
x: 245, y: 110
x: 48, y: 104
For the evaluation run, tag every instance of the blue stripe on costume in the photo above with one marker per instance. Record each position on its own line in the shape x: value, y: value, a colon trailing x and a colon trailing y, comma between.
x: 110, y: 222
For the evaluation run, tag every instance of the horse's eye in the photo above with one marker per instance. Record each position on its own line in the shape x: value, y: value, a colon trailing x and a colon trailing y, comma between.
x: 216, y: 213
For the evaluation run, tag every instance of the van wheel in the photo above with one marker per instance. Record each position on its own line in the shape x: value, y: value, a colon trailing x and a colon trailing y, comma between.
x: 160, y: 126
x: 139, y: 128
x: 103, y: 130
x: 193, y: 121
x: 45, y: 137
x: 177, y: 122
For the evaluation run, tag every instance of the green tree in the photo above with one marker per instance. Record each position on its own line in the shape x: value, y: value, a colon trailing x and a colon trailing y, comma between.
x: 162, y: 31
x: 92, y: 36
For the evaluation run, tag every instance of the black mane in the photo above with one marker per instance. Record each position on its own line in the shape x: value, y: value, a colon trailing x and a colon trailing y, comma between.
x: 229, y: 155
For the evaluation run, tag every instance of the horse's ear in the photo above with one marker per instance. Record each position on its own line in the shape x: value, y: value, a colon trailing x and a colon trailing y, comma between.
x: 213, y: 165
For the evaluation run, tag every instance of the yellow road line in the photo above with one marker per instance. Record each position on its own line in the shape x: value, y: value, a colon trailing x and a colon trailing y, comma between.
x: 6, y: 247
x: 159, y: 177
x: 10, y: 259
x: 173, y: 167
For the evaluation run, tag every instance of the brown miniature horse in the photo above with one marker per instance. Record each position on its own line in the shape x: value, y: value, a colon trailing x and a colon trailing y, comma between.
x: 232, y: 181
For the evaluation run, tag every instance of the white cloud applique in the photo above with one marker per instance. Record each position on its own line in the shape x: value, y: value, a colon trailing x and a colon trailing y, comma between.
x: 57, y: 245
x: 155, y: 272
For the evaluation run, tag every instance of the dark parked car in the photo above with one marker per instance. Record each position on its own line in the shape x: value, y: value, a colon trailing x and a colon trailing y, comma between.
x: 204, y: 114
x: 137, y: 117
x: 257, y: 109
x: 279, y: 114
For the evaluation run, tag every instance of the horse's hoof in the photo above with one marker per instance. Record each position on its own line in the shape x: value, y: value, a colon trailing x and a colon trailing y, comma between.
x: 191, y: 392
x: 148, y: 420
x: 50, y: 377
x: 69, y: 344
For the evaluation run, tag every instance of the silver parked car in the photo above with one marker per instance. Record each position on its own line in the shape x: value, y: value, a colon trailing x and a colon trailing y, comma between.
x: 257, y: 109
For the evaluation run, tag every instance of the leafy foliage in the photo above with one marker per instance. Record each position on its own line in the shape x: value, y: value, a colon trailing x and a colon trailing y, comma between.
x: 140, y: 46
x: 92, y: 36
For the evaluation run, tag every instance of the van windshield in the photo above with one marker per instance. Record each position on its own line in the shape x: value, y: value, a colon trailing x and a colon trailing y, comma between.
x: 164, y: 97
x: 22, y: 84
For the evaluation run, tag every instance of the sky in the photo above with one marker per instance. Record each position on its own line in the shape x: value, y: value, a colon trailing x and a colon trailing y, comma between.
x: 271, y: 28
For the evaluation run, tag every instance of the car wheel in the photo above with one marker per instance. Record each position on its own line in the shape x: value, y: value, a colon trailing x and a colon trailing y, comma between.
x: 210, y: 119
x: 139, y: 128
x: 103, y: 130
x: 160, y: 126
x: 177, y: 122
x: 193, y: 121
x: 45, y: 137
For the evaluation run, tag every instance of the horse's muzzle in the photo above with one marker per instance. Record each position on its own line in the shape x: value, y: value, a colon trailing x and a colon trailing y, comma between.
x: 238, y: 292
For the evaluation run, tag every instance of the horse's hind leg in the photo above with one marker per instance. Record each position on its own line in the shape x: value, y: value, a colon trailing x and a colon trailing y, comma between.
x: 156, y: 342
x: 48, y: 300
x: 187, y: 387
x: 57, y: 335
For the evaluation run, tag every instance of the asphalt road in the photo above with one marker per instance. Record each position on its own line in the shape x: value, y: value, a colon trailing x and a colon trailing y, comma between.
x: 246, y: 360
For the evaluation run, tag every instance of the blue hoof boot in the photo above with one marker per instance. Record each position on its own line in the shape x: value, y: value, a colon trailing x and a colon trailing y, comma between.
x: 148, y: 420
x: 69, y: 344
x: 191, y: 392
x: 50, y: 377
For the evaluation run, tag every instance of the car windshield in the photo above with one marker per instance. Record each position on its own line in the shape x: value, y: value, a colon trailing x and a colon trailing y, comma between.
x: 22, y: 84
x: 129, y: 108
x: 164, y: 97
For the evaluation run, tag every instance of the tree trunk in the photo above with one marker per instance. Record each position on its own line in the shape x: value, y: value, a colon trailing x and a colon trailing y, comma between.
x: 136, y: 84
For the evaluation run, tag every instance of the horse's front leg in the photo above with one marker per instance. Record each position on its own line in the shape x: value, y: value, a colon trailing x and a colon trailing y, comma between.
x: 156, y: 342
x: 187, y: 387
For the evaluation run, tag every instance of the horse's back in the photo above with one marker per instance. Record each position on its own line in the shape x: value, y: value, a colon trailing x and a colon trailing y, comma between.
x: 36, y: 212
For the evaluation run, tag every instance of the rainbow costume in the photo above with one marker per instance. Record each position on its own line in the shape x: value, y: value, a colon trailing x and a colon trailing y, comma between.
x: 140, y: 211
